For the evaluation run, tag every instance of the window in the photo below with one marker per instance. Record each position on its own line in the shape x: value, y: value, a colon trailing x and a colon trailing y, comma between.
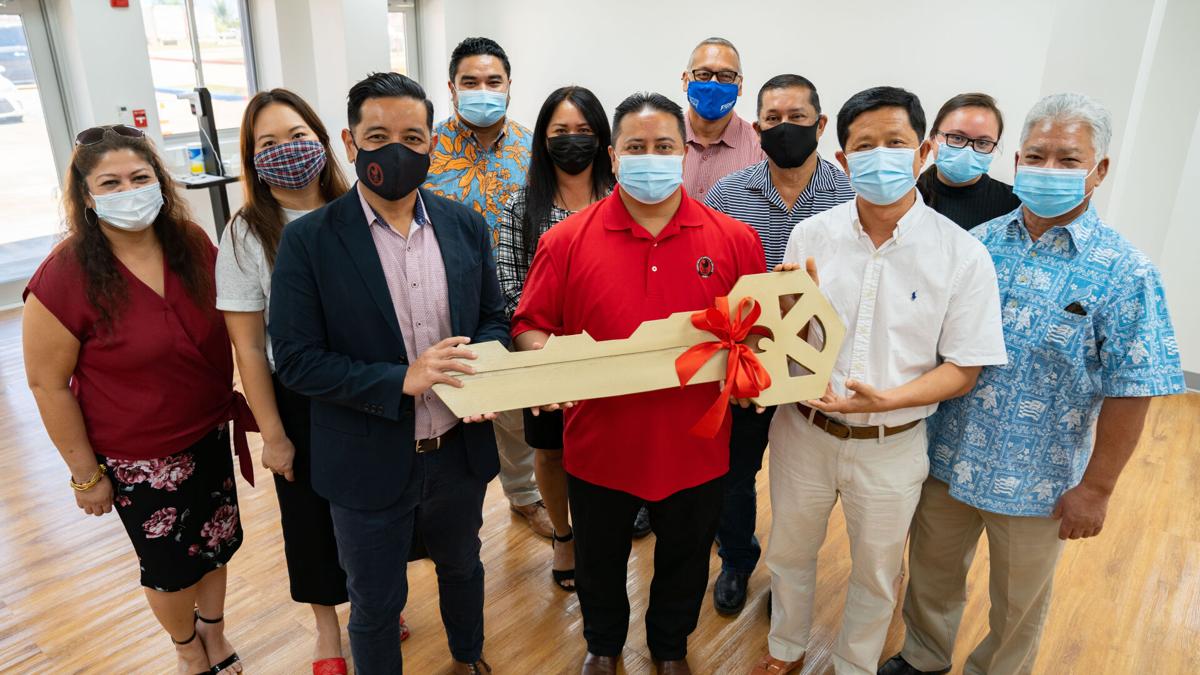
x: 199, y: 43
x: 34, y: 143
x: 402, y: 37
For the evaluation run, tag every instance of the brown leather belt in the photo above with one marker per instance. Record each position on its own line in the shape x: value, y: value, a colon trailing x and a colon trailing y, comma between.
x: 847, y: 431
x: 430, y: 444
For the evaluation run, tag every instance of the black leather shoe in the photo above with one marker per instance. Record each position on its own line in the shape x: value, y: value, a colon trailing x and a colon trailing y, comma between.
x: 641, y: 523
x: 729, y: 593
x: 898, y: 666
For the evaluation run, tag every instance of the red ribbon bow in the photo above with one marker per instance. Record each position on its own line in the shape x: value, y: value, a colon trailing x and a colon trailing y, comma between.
x: 243, y: 421
x: 745, y: 376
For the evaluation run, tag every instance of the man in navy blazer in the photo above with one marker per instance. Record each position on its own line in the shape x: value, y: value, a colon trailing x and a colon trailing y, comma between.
x: 374, y: 298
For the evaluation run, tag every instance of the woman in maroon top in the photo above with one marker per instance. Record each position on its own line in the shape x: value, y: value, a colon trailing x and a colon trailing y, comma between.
x: 130, y: 365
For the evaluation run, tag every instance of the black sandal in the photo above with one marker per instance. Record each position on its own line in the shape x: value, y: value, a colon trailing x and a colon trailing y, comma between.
x: 563, y: 576
x: 188, y: 642
x: 229, y: 660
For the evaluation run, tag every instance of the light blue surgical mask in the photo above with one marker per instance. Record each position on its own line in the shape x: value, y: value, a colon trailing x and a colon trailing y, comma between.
x: 883, y: 175
x: 961, y: 165
x: 1050, y: 192
x: 650, y: 179
x: 481, y: 107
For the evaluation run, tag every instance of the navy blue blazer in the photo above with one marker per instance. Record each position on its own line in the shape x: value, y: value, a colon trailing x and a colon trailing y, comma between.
x: 336, y: 340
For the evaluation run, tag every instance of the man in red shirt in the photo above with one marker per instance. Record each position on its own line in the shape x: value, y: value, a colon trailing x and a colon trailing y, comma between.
x: 643, y: 253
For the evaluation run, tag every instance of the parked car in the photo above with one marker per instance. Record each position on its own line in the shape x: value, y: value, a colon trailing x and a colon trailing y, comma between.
x: 11, y: 109
x: 14, y: 55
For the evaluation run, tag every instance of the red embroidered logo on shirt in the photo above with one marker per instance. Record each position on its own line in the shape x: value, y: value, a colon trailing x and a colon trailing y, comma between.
x: 375, y: 174
x: 705, y: 267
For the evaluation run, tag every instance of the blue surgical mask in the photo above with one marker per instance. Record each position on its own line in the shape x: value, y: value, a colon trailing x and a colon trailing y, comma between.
x: 650, y: 179
x: 712, y: 100
x: 961, y: 165
x: 883, y: 175
x: 481, y: 107
x: 1050, y: 192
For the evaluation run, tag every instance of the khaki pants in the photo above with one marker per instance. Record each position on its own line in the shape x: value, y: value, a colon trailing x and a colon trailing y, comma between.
x: 516, y: 459
x: 1024, y: 552
x: 879, y: 482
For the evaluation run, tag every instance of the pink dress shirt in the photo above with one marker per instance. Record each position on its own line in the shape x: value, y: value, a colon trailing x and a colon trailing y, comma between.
x: 416, y: 280
x: 703, y: 166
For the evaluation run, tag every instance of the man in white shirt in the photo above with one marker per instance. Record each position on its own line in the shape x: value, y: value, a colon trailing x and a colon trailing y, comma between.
x: 921, y: 306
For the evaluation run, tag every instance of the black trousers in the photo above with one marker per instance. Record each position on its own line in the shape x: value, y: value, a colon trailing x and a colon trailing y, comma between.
x: 308, y: 541
x: 684, y: 525
x: 736, y: 544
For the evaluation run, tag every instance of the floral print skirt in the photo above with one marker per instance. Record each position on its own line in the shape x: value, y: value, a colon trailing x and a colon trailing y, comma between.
x: 180, y: 511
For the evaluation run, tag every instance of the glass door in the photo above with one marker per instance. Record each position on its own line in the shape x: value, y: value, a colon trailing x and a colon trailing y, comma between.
x: 34, y: 135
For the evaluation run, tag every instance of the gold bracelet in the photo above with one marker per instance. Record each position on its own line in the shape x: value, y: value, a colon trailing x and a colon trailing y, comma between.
x: 80, y: 487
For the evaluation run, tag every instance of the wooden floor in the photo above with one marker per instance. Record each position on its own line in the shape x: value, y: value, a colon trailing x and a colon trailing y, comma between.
x: 1127, y: 602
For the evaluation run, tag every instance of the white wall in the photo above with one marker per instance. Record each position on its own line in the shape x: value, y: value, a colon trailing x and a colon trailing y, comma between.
x: 1180, y: 267
x: 632, y: 45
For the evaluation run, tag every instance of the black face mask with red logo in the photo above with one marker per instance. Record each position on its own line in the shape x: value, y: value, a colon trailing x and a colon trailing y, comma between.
x: 391, y: 171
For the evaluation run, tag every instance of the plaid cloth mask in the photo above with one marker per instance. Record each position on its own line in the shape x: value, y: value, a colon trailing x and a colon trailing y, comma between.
x: 290, y: 166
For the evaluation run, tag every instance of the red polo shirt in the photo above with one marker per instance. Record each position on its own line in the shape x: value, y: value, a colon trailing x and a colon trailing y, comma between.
x: 599, y: 271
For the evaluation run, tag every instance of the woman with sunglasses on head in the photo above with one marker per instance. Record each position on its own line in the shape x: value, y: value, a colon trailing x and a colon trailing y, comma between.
x: 966, y: 134
x: 130, y: 366
x: 287, y: 172
x: 569, y: 170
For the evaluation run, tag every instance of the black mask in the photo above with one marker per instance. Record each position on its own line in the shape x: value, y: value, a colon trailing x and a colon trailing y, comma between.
x: 573, y: 152
x: 789, y: 145
x: 391, y: 171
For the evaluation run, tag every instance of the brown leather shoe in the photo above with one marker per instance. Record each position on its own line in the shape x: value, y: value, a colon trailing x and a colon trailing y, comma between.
x: 599, y: 665
x: 537, y: 517
x: 677, y: 667
x: 769, y: 665
x: 480, y: 667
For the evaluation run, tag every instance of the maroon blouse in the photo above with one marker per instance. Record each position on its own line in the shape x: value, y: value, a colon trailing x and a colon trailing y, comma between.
x: 160, y: 378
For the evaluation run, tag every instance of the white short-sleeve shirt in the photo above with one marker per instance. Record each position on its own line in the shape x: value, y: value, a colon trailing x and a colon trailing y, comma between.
x: 926, y: 296
x: 243, y: 273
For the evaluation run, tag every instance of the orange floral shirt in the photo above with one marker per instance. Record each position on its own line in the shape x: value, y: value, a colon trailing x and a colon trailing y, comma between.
x: 460, y: 169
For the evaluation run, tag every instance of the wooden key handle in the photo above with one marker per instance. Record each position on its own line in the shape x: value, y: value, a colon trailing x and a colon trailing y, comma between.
x: 577, y: 367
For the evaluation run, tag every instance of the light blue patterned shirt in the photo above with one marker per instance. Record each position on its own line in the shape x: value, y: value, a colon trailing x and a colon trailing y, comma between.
x: 1024, y: 434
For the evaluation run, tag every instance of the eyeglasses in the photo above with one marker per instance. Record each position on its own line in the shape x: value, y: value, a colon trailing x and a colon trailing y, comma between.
x: 96, y: 134
x: 723, y: 76
x: 981, y: 145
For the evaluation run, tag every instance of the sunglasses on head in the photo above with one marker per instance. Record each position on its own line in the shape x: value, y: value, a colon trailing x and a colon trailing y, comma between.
x: 96, y: 134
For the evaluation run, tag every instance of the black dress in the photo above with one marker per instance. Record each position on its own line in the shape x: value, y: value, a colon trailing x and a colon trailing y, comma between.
x: 308, y: 542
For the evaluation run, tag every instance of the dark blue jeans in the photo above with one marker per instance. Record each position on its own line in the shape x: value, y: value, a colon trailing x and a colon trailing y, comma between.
x: 445, y: 500
x: 736, y: 543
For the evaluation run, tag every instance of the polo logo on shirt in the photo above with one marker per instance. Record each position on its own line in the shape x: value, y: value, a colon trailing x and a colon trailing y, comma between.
x: 375, y: 174
x: 705, y: 267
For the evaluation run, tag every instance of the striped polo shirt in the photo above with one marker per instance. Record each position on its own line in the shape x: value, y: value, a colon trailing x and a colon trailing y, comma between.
x: 749, y: 196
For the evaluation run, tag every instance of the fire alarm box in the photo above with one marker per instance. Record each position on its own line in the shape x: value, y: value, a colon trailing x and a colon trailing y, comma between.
x: 119, y: 3
x: 139, y: 118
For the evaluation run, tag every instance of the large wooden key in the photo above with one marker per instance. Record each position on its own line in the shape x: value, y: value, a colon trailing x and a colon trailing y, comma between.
x: 577, y: 367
